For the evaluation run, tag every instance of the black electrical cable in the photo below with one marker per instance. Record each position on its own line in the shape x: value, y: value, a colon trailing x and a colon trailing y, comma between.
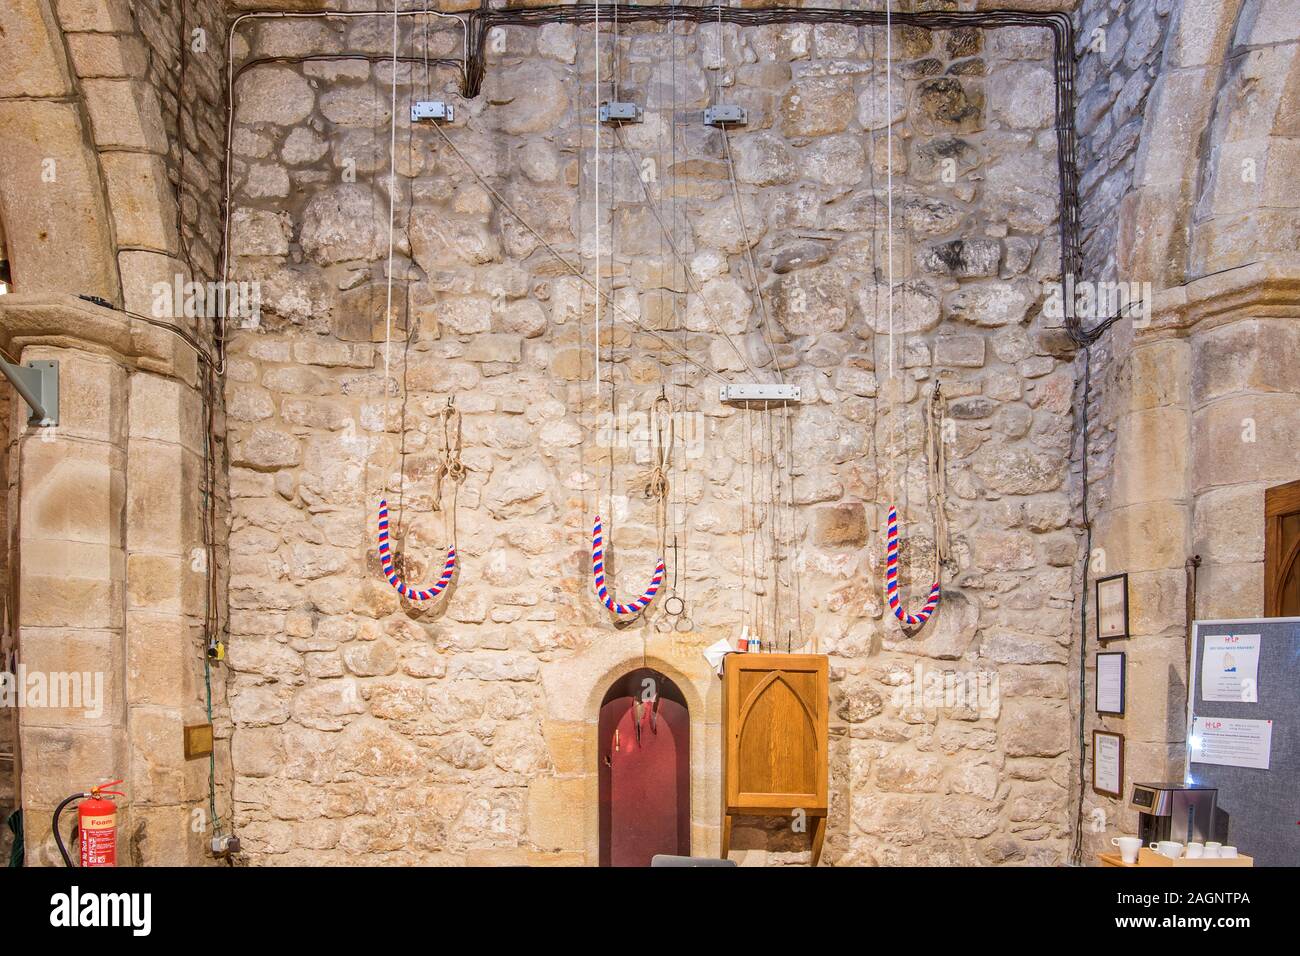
x: 58, y: 837
x: 368, y: 57
x: 1062, y: 27
x: 176, y: 330
x: 1076, y: 848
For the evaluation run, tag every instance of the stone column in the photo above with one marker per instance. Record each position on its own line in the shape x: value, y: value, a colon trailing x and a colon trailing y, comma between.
x: 110, y: 575
x: 165, y: 602
x: 71, y: 577
x: 1245, y: 397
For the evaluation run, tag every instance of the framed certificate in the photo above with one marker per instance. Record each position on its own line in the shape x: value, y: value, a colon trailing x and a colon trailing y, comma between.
x: 1111, y: 668
x: 1112, y: 607
x: 1108, y: 764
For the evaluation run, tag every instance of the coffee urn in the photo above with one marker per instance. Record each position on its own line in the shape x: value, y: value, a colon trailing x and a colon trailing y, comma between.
x: 1174, y: 811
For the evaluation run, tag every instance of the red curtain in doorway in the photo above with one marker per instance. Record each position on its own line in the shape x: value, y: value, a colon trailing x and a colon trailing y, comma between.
x: 645, y: 782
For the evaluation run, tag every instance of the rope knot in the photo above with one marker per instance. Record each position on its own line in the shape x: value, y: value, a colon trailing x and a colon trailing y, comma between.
x: 655, y: 482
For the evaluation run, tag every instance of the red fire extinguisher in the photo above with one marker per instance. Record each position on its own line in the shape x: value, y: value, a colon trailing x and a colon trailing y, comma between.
x: 96, y: 825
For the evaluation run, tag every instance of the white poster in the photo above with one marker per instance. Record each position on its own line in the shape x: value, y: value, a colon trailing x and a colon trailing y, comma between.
x: 1230, y: 668
x: 1231, y: 742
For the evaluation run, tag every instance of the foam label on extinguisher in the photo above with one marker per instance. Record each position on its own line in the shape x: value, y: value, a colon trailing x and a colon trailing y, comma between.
x: 98, y: 839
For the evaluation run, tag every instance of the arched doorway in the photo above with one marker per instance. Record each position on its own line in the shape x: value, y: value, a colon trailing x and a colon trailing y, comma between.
x: 644, y: 747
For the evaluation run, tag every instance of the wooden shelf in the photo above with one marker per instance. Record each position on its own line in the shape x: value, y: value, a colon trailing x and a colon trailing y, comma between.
x: 1150, y: 858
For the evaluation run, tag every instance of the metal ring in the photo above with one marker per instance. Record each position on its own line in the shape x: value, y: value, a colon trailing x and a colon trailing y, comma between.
x: 663, y: 625
x: 683, y: 620
x: 668, y: 605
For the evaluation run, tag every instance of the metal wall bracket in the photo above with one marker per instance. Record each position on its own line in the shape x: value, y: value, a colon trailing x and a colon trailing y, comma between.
x: 619, y: 113
x: 760, y: 393
x: 38, y: 384
x: 727, y: 114
x: 432, y: 109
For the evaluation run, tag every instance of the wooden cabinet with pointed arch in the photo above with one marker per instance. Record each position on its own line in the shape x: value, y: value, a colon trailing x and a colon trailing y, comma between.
x: 775, y: 735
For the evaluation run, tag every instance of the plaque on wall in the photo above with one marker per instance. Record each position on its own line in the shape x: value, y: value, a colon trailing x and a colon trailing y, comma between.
x: 1112, y: 607
x: 1108, y: 764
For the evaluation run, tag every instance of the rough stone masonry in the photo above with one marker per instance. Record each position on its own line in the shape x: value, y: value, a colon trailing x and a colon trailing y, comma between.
x: 359, y: 728
x: 426, y: 729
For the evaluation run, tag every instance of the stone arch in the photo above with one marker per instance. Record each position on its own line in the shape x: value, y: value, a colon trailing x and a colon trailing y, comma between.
x: 1229, y: 66
x: 1245, y: 208
x: 85, y: 179
x: 1155, y: 214
x: 574, y: 688
x: 52, y: 193
x: 651, y: 793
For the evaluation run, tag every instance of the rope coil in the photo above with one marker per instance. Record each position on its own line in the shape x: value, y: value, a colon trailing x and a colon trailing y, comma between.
x: 936, y: 468
x: 655, y: 482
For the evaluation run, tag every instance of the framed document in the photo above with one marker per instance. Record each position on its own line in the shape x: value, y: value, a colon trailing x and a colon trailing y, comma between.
x: 1112, y: 607
x: 1108, y: 764
x: 1111, y: 666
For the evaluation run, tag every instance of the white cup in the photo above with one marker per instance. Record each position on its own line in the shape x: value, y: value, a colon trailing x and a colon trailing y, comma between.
x: 1128, y: 848
x: 1212, y: 849
x: 1169, y: 848
x: 1195, y: 851
x: 1227, y: 852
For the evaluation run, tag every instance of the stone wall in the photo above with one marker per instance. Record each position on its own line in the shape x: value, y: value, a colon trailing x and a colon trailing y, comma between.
x: 185, y: 46
x: 460, y: 732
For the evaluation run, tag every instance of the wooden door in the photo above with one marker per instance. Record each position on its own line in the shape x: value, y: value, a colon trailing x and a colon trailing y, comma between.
x: 645, y: 780
x: 1282, y: 551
